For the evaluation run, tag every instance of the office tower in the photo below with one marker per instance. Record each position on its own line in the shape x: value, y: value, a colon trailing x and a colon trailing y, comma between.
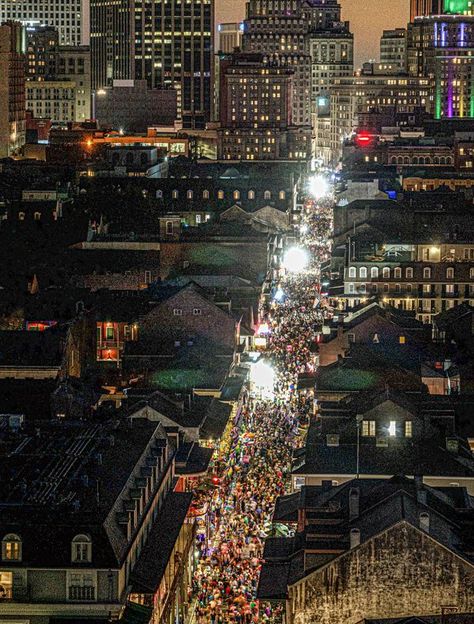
x: 12, y: 88
x: 331, y: 46
x: 70, y: 17
x: 441, y: 48
x: 42, y: 50
x: 393, y: 50
x: 74, y: 65
x: 420, y: 8
x: 278, y: 30
x: 256, y: 111
x: 170, y: 45
x: 229, y: 37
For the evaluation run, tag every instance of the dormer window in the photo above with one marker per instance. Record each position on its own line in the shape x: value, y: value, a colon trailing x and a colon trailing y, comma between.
x: 11, y: 547
x: 81, y: 549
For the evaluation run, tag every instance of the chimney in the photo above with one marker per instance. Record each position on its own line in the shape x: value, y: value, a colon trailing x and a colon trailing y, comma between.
x: 355, y: 538
x: 354, y: 498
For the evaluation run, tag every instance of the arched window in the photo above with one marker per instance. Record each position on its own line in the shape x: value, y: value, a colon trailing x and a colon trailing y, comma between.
x: 422, y: 160
x: 450, y: 273
x: 406, y: 160
x: 425, y: 521
x: 436, y: 160
x: 397, y: 272
x: 37, y: 216
x: 363, y: 272
x: 220, y: 194
x: 442, y: 160
x: 189, y: 194
x: 175, y: 194
x: 449, y: 160
x: 282, y: 195
x: 471, y: 273
x: 426, y: 273
x: 159, y: 194
x: 409, y: 272
x: 21, y: 216
x: 352, y: 272
x: 393, y: 160
x: 400, y: 160
x: 415, y: 160
x: 251, y: 195
x: 205, y: 194
x: 267, y: 195
x: 11, y: 547
x: 81, y: 549
x: 236, y: 195
x: 386, y: 272
x: 374, y: 272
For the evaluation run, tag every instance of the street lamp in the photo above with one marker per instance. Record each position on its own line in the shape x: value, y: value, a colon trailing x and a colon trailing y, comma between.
x: 295, y: 260
x: 319, y: 186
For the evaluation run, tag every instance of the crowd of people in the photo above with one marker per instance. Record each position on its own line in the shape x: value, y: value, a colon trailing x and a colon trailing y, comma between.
x: 263, y: 438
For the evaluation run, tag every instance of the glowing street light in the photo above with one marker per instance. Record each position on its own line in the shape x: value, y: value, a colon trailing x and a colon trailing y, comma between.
x: 262, y: 376
x: 295, y: 260
x: 319, y: 186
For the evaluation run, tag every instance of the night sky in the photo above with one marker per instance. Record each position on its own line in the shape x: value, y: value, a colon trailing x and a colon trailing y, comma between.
x: 368, y: 18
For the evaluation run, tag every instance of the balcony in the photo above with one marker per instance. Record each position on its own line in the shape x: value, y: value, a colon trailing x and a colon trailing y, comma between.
x: 82, y: 593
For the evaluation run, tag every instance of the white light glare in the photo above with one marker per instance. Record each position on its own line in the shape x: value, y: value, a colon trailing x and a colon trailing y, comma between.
x: 319, y: 186
x: 278, y: 296
x: 263, y: 376
x: 295, y: 260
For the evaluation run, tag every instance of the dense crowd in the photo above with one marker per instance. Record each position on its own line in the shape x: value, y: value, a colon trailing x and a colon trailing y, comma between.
x: 263, y: 437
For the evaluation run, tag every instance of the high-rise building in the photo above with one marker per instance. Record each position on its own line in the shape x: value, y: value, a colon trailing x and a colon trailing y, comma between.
x: 278, y: 30
x: 393, y: 50
x: 441, y: 48
x: 229, y: 37
x: 70, y: 17
x: 12, y: 88
x: 331, y: 46
x: 42, y: 52
x: 170, y: 45
x: 420, y: 8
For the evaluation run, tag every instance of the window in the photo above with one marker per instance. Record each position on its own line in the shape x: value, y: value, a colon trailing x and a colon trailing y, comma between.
x: 376, y: 339
x: 392, y: 428
x: 236, y: 195
x: 363, y: 272
x: 147, y: 277
x: 351, y: 289
x: 409, y: 273
x: 198, y: 219
x: 426, y: 273
x: 169, y: 227
x: 352, y: 272
x: 386, y: 272
x: 196, y: 311
x: 175, y: 194
x: 178, y: 312
x: 21, y: 216
x: 450, y: 289
x: 251, y: 195
x: 408, y: 428
x: 109, y: 332
x: 81, y: 549
x: 159, y: 194
x: 189, y: 194
x: 11, y: 548
x: 351, y: 338
x: 267, y: 195
x: 368, y: 428
x: 402, y: 340
x: 374, y: 272
x: 450, y: 273
x: 81, y: 586
x: 205, y: 194
x: 282, y: 195
x: 37, y: 216
x: 220, y: 194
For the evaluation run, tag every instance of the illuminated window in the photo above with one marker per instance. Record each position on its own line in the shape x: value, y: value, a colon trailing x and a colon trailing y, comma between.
x: 197, y: 311
x: 11, y: 548
x: 392, y: 428
x: 236, y: 195
x: 402, y: 340
x: 352, y: 272
x: 251, y: 194
x: 220, y: 194
x: 408, y: 429
x: 81, y: 549
x: 267, y: 195
x: 368, y: 428
x: 175, y: 194
x: 205, y: 194
x: 178, y: 312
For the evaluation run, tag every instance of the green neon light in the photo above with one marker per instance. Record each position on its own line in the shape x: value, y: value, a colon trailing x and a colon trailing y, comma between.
x: 457, y: 6
x: 438, y: 106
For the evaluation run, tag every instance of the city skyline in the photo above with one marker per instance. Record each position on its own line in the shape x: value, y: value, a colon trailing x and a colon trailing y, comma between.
x: 366, y: 36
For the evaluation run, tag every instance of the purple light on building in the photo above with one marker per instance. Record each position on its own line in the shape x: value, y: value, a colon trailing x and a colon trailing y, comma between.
x: 443, y: 35
x: 462, y: 35
x: 449, y: 112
